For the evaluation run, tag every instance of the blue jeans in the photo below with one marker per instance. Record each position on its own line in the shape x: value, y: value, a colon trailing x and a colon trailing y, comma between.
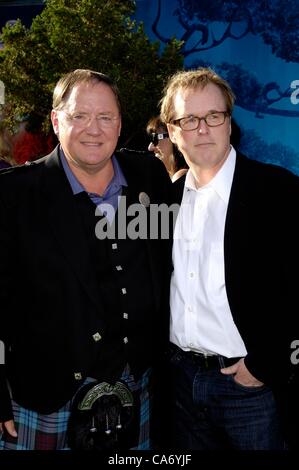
x: 211, y: 411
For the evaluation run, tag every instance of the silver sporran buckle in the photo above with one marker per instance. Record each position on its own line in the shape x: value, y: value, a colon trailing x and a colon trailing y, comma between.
x: 104, y: 416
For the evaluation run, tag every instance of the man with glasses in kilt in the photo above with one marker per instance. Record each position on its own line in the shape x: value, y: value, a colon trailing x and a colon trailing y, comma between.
x: 83, y: 328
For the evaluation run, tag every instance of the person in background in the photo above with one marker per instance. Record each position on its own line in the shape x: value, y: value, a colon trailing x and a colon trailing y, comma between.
x: 31, y: 142
x: 90, y: 307
x: 233, y: 298
x: 164, y: 149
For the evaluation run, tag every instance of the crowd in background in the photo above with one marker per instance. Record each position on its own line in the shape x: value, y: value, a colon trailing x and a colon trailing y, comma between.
x: 28, y: 142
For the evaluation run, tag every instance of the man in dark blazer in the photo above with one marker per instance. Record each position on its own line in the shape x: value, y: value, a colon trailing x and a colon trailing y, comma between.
x: 233, y: 292
x: 76, y: 304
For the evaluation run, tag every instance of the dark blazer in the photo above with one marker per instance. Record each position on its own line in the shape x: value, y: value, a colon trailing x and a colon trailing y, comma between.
x: 49, y: 297
x: 261, y: 257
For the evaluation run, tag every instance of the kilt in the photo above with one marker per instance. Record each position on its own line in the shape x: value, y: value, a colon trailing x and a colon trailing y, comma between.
x: 48, y: 432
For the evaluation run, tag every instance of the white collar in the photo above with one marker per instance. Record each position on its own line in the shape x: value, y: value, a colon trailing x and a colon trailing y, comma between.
x: 221, y: 182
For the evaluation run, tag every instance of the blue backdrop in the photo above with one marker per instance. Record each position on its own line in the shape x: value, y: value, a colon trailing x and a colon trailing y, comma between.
x: 254, y: 44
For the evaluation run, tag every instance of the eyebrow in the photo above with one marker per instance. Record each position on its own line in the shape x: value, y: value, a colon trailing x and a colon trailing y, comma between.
x: 103, y: 113
x: 208, y: 112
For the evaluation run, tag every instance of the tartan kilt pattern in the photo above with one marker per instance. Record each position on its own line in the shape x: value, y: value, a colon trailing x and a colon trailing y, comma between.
x: 48, y: 432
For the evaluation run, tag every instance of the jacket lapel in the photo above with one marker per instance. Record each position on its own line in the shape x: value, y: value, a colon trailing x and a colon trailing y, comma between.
x: 65, y: 223
x: 178, y: 189
x: 141, y: 180
x: 237, y: 230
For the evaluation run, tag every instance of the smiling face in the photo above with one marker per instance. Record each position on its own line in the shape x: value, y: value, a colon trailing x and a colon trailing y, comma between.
x: 81, y: 126
x: 205, y: 148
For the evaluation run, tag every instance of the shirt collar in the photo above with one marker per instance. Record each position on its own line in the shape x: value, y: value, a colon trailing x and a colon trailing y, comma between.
x: 117, y: 181
x: 222, y: 181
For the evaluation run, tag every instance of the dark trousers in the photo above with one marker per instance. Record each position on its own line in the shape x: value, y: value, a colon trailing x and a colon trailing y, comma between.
x: 211, y: 411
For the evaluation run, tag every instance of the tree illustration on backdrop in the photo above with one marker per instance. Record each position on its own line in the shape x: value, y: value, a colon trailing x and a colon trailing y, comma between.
x: 276, y: 22
x: 95, y: 34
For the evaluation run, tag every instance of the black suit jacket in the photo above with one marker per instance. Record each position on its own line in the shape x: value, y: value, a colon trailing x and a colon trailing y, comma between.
x: 261, y: 257
x: 50, y: 301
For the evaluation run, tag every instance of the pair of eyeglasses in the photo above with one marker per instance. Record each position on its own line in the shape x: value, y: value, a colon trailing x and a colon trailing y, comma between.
x: 84, y: 119
x: 190, y: 123
x: 156, y: 136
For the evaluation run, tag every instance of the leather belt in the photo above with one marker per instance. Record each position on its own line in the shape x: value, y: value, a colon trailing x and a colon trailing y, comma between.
x: 206, y: 362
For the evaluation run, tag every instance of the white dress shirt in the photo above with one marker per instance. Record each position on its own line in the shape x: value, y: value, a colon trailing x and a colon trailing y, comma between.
x: 201, y: 319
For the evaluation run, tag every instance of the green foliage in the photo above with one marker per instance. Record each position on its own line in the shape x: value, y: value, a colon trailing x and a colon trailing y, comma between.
x: 94, y: 34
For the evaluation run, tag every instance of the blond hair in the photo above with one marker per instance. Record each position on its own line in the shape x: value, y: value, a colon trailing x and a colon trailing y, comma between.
x: 193, y: 79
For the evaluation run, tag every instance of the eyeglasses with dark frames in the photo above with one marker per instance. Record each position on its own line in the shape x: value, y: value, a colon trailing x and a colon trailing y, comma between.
x: 190, y: 123
x: 157, y: 136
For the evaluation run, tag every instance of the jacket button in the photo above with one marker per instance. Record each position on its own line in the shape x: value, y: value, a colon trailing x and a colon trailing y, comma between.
x: 97, y: 336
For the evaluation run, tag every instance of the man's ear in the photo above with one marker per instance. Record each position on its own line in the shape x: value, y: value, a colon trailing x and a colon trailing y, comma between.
x: 119, y: 129
x: 171, y: 133
x: 54, y: 119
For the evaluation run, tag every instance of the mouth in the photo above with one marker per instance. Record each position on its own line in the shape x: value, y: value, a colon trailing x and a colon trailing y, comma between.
x: 204, y: 143
x: 91, y: 144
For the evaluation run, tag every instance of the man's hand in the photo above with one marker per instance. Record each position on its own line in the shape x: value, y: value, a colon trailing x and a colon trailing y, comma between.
x: 10, y: 427
x: 242, y: 374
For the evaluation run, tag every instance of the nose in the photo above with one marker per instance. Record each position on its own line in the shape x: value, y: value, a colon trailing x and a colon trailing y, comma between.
x: 93, y: 126
x: 151, y: 147
x: 203, y: 128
